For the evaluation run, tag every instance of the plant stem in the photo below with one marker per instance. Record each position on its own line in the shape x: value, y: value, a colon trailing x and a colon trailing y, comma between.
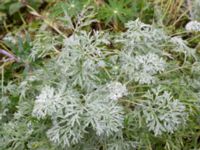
x: 11, y: 57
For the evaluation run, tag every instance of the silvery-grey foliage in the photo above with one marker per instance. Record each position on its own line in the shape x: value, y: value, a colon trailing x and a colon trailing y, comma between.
x: 117, y: 142
x: 5, y: 100
x: 47, y: 102
x: 142, y: 68
x: 16, y: 134
x: 193, y: 26
x: 72, y: 115
x: 9, y: 37
x: 84, y: 44
x: 80, y: 57
x: 181, y: 46
x: 142, y: 38
x: 108, y: 117
x: 194, y: 12
x: 117, y: 90
x: 91, y: 97
x: 162, y: 112
x: 43, y: 45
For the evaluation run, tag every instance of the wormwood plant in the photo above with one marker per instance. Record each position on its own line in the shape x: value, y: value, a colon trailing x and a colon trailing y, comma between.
x: 138, y: 89
x: 195, y: 5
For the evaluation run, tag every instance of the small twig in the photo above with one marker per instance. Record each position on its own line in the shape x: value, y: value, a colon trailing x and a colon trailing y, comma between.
x: 2, y: 80
x: 189, y: 3
x: 46, y: 20
x: 176, y: 69
x: 11, y: 57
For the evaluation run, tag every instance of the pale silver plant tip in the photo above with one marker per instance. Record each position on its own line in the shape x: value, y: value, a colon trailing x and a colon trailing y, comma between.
x: 141, y: 37
x: 117, y: 90
x: 9, y: 37
x: 194, y: 7
x: 193, y: 26
x: 162, y: 112
x: 46, y: 103
x: 180, y: 45
x: 142, y: 68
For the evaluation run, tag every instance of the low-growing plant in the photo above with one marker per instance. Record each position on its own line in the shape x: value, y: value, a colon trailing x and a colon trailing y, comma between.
x: 115, y: 11
x: 194, y: 9
x: 118, y: 12
x: 137, y: 89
